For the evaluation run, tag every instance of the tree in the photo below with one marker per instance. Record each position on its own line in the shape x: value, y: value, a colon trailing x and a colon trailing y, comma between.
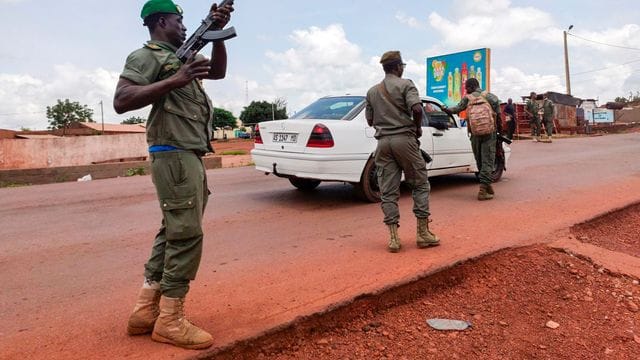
x: 259, y: 111
x: 223, y: 118
x: 134, y: 120
x: 65, y: 112
x: 631, y: 98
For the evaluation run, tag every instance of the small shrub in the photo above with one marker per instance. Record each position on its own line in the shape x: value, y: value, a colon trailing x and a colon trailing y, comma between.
x: 135, y: 171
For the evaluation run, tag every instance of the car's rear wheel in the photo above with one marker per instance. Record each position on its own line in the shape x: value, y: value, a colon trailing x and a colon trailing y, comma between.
x: 367, y: 189
x: 304, y: 184
x: 498, y: 168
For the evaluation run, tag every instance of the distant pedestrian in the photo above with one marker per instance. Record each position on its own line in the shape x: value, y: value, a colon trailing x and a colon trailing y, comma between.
x: 532, y: 109
x: 483, y: 116
x: 395, y: 110
x: 547, y: 116
x: 510, y: 115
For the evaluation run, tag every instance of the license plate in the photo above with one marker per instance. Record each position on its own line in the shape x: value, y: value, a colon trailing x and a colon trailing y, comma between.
x: 285, y: 138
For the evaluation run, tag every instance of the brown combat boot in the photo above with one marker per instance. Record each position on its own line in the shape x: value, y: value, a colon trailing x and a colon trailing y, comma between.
x: 490, y: 190
x: 173, y: 328
x: 394, y: 241
x: 424, y: 237
x: 484, y: 194
x: 144, y: 313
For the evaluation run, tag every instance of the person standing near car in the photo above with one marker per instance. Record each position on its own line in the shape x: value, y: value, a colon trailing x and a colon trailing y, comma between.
x: 483, y: 113
x: 394, y: 109
x: 531, y: 108
x: 179, y: 131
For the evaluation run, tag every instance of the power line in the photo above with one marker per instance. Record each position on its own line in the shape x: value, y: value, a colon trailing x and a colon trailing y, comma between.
x: 601, y: 43
x: 606, y: 68
x: 591, y: 79
x: 551, y: 78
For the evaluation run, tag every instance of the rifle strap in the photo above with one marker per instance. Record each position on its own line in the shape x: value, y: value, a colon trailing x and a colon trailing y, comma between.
x: 387, y: 96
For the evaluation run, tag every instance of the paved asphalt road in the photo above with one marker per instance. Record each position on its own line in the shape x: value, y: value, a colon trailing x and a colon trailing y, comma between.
x: 72, y: 254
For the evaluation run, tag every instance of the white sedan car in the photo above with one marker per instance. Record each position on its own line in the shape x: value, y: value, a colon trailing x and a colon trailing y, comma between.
x: 330, y: 140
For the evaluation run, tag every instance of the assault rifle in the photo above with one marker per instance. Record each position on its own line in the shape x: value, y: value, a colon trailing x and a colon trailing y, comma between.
x: 503, y: 138
x: 202, y: 36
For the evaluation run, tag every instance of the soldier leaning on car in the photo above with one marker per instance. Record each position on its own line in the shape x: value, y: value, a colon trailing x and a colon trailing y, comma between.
x: 483, y: 146
x: 394, y: 109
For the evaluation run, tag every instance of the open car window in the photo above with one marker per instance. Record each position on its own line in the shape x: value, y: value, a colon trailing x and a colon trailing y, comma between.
x: 436, y: 117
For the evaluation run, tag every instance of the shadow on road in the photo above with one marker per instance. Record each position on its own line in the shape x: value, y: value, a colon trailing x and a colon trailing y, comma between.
x: 341, y: 195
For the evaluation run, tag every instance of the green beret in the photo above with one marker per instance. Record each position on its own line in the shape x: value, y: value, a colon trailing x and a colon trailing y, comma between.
x: 159, y: 6
x: 391, y: 57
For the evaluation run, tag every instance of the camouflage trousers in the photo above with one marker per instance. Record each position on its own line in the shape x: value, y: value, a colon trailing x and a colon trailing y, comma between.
x: 396, y: 154
x: 181, y: 185
x: 535, y: 126
x: 484, y: 151
x: 548, y: 125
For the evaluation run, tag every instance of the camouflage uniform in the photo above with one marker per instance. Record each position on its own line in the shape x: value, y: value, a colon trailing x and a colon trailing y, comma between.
x: 181, y: 119
x: 483, y: 146
x: 398, y: 149
x: 547, y: 107
x: 534, y: 122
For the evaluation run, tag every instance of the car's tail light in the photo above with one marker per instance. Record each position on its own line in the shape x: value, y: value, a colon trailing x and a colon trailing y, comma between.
x: 256, y: 135
x: 320, y: 137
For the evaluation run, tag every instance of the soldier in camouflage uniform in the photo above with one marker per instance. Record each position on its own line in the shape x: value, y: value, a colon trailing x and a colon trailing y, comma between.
x: 394, y: 109
x: 179, y: 131
x: 547, y: 117
x: 483, y: 146
x: 532, y: 109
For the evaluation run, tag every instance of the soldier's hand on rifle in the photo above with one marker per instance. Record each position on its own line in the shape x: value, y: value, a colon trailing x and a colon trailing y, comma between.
x: 192, y: 69
x: 221, y: 16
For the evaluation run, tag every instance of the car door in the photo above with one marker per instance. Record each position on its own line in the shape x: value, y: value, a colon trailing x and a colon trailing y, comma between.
x: 451, y: 144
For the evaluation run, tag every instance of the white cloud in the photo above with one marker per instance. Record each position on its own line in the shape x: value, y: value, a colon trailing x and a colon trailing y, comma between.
x: 322, y: 62
x: 409, y: 20
x: 24, y: 98
x: 512, y: 82
x: 490, y: 26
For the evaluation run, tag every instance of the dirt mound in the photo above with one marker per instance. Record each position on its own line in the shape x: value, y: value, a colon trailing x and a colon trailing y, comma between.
x: 529, y: 303
x: 617, y: 231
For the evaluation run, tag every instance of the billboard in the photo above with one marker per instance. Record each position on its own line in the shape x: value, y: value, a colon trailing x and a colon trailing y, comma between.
x: 446, y: 74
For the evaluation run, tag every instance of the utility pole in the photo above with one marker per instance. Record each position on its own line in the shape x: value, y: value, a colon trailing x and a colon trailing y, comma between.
x: 566, y: 62
x: 273, y: 112
x: 102, y: 116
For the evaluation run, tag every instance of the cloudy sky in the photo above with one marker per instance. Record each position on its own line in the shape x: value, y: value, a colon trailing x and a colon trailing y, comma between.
x: 301, y: 50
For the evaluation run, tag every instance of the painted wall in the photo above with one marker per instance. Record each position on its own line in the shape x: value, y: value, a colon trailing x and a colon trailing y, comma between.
x: 69, y: 151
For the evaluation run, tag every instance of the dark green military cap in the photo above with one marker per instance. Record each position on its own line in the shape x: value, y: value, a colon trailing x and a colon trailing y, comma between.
x: 390, y: 58
x: 159, y: 6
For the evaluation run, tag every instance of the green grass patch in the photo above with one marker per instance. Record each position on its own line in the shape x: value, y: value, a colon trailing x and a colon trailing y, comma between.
x: 234, y: 152
x: 9, y: 184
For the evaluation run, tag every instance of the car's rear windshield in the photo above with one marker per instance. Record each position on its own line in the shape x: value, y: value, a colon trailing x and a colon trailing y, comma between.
x: 332, y: 108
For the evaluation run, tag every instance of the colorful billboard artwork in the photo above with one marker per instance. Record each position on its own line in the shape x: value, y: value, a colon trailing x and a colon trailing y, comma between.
x: 446, y: 74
